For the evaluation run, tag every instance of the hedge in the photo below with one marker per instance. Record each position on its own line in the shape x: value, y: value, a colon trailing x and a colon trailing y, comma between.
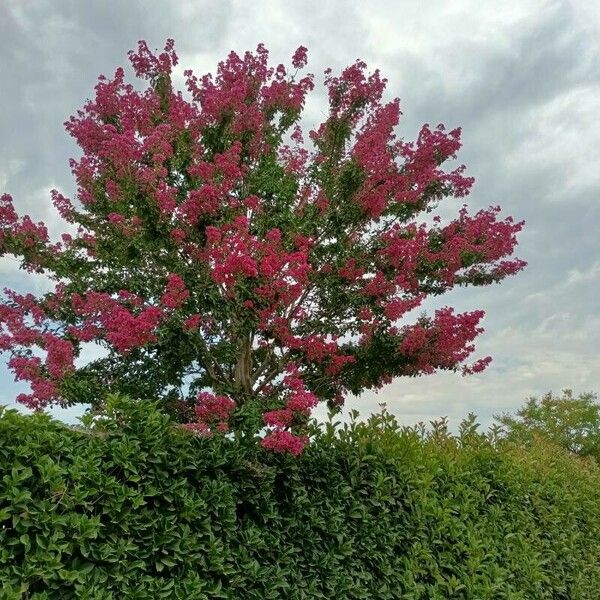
x: 133, y: 507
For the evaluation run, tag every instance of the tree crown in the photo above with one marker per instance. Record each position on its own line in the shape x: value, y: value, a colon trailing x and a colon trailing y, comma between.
x: 225, y: 264
x: 573, y: 423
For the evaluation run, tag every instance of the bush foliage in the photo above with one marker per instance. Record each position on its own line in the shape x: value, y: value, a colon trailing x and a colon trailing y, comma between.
x: 133, y: 507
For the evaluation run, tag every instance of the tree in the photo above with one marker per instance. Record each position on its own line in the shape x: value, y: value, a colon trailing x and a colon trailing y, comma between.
x: 226, y: 265
x: 571, y: 423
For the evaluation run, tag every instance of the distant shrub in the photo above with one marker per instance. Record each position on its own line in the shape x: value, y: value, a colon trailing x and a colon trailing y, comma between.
x: 136, y: 508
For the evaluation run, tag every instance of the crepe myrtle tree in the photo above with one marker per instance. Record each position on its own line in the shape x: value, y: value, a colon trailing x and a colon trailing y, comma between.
x: 236, y: 272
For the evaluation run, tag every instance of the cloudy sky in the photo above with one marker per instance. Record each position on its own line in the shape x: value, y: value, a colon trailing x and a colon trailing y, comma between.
x: 522, y: 80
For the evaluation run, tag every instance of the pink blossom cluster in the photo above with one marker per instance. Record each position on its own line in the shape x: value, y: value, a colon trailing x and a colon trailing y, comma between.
x: 442, y: 342
x: 248, y: 89
x: 380, y: 155
x: 176, y: 293
x: 353, y: 90
x: 59, y: 356
x: 213, y: 413
x: 299, y: 402
x: 124, y: 329
x: 148, y: 65
x: 283, y: 441
x: 23, y: 325
x: 24, y: 230
x: 63, y: 205
x: 235, y: 255
x: 43, y: 378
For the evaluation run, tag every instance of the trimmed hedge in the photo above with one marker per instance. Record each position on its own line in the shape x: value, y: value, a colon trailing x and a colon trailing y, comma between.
x: 135, y: 508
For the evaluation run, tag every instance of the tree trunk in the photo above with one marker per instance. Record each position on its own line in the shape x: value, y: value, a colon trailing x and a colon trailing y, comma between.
x: 243, y: 368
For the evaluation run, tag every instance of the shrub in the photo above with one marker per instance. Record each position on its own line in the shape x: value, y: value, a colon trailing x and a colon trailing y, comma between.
x: 133, y: 507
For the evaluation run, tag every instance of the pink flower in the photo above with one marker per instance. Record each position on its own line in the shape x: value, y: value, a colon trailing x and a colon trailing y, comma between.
x: 213, y: 412
x: 302, y: 401
x: 279, y: 418
x: 192, y: 323
x: 59, y: 358
x: 299, y: 58
x: 213, y: 235
x: 115, y: 217
x: 177, y: 235
x: 211, y: 407
x: 284, y: 441
x: 176, y: 293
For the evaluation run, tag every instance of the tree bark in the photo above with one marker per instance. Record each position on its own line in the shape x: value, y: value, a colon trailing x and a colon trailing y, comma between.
x: 243, y: 367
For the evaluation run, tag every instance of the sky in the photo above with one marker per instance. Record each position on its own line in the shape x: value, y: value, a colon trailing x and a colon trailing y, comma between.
x: 521, y: 77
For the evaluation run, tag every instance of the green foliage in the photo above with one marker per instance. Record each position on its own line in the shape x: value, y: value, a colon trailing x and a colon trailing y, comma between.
x: 571, y: 423
x: 133, y: 507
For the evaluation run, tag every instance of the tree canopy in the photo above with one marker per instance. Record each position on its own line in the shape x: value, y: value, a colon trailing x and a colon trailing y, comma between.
x: 238, y: 268
x: 573, y: 423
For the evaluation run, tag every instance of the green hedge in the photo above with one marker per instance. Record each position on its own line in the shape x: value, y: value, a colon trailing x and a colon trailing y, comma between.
x: 135, y: 508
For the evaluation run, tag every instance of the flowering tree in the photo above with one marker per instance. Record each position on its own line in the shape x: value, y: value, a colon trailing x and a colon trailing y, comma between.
x: 227, y: 266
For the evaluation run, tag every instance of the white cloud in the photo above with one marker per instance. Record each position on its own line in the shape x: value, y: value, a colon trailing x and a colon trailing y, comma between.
x: 11, y: 168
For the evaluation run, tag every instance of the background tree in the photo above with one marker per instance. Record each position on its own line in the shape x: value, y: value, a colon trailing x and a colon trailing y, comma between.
x: 569, y: 422
x: 225, y: 264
